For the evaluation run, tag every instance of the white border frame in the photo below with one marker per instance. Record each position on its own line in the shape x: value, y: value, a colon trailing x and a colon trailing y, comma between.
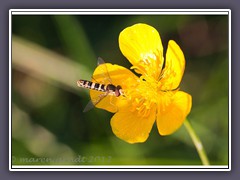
x: 118, y: 12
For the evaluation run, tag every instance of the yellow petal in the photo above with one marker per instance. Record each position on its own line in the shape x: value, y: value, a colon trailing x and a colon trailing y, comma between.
x: 131, y: 127
x: 142, y: 46
x: 111, y: 74
x: 174, y: 67
x: 170, y: 119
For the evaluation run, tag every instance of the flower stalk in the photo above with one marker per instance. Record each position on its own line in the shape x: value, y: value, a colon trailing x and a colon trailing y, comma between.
x: 197, y: 142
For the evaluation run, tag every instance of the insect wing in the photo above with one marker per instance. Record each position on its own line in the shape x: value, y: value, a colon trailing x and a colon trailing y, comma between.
x: 94, y: 101
x: 100, y: 61
x: 103, y: 76
x: 89, y: 106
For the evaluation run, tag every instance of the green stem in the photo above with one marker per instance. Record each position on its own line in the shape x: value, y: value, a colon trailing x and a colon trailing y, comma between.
x: 197, y: 142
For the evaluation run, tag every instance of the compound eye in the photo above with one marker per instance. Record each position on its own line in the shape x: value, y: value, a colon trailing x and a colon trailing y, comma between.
x: 119, y: 87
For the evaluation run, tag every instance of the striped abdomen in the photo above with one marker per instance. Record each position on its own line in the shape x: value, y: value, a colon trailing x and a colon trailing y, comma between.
x: 91, y: 85
x: 110, y: 88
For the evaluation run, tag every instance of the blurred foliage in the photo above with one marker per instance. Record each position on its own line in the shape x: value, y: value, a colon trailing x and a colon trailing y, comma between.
x: 48, y: 125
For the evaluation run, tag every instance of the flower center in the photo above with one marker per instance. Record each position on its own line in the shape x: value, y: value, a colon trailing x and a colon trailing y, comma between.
x: 147, y: 95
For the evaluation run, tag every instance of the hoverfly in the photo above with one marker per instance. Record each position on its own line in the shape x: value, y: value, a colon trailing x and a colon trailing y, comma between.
x: 107, y: 89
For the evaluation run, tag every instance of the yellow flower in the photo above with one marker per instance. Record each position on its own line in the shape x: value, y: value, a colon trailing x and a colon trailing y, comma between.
x: 154, y: 94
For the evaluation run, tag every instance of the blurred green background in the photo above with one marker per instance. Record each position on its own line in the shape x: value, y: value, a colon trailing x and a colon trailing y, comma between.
x: 51, y: 52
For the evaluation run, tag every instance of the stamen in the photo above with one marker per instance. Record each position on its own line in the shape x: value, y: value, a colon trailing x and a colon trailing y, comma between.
x: 147, y: 93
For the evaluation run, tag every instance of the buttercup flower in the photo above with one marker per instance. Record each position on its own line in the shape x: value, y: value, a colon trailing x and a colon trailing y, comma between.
x: 151, y: 95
